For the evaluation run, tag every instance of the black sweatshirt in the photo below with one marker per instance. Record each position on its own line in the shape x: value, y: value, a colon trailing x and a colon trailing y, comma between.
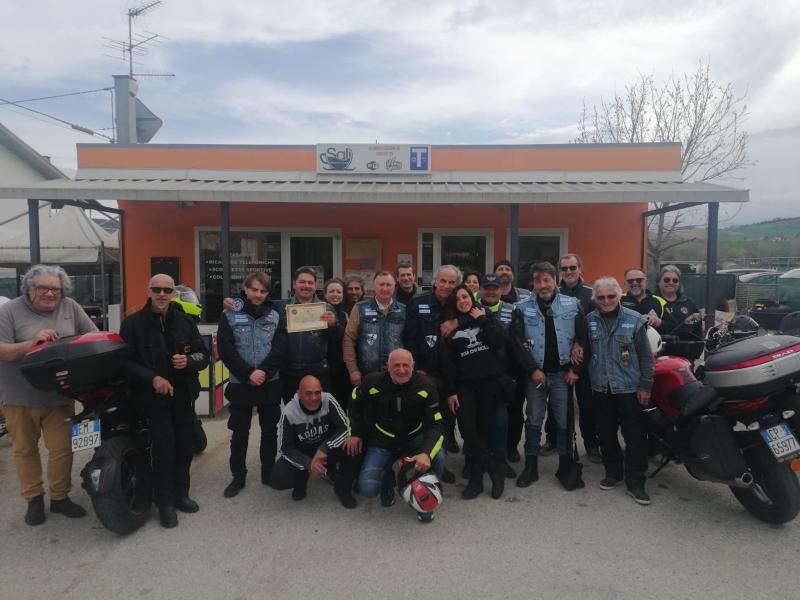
x: 473, y: 351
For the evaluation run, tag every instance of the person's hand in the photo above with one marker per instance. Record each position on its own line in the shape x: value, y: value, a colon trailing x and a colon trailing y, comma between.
x: 319, y: 463
x: 227, y: 304
x: 643, y: 397
x: 448, y: 327
x: 577, y: 354
x: 257, y: 378
x: 45, y: 335
x: 538, y: 377
x: 453, y: 403
x: 329, y: 318
x: 476, y: 312
x: 162, y: 386
x: 355, y: 378
x: 653, y: 320
x: 353, y: 445
x: 179, y: 361
x: 422, y: 462
x: 571, y: 377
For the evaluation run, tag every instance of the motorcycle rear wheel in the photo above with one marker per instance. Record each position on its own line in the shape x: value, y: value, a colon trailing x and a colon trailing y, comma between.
x: 126, y: 505
x: 775, y: 494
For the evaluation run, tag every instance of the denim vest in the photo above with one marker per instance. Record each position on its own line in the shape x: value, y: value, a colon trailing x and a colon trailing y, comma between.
x: 378, y: 334
x: 253, y: 337
x: 307, y: 350
x: 615, y: 363
x: 565, y: 309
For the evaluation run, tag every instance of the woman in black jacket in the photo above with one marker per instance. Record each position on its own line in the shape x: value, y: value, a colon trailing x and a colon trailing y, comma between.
x: 252, y: 346
x: 471, y: 369
x: 340, y: 377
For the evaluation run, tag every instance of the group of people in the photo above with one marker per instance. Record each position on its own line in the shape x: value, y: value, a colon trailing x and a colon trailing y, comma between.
x: 385, y: 377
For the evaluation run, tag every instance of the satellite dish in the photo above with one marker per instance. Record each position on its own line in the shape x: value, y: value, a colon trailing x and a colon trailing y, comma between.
x: 147, y: 124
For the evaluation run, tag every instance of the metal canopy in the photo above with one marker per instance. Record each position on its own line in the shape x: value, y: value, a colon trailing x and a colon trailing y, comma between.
x: 375, y: 191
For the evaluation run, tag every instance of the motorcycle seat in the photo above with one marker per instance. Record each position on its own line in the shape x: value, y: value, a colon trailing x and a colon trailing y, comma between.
x: 700, y: 399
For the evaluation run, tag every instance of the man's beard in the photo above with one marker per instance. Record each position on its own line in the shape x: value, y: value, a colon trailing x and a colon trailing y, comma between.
x: 545, y: 295
x: 504, y: 279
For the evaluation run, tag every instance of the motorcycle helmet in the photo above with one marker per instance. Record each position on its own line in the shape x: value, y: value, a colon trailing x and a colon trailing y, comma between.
x: 656, y: 344
x: 188, y: 300
x: 422, y: 492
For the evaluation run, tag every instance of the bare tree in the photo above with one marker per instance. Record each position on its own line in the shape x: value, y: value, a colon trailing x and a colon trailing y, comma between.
x: 705, y: 116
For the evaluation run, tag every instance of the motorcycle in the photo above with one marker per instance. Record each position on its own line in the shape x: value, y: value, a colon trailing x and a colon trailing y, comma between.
x: 90, y: 368
x: 740, y: 425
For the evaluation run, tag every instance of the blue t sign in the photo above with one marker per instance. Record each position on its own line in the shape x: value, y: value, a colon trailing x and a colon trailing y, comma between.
x: 419, y: 158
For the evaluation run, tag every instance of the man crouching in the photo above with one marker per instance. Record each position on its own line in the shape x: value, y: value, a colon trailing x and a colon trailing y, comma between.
x: 311, y: 433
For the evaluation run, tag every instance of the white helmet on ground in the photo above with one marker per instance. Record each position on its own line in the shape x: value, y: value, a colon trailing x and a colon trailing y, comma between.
x: 655, y: 340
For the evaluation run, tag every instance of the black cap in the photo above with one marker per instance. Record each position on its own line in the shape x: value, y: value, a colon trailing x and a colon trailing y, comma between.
x: 489, y: 280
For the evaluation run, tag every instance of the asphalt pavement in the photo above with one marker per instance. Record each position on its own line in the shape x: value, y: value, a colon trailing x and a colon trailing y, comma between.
x: 694, y: 541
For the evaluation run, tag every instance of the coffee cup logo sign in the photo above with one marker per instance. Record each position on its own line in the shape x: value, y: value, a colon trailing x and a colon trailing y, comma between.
x: 376, y: 159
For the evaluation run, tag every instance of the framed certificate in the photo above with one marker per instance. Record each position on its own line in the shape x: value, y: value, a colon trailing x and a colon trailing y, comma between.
x: 305, y: 317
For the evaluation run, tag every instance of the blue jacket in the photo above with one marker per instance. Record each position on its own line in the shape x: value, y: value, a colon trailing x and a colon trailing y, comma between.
x: 615, y: 360
x: 378, y: 334
x: 531, y: 326
x: 247, y: 341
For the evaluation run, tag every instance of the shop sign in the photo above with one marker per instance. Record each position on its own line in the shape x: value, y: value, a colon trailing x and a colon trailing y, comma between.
x: 377, y: 159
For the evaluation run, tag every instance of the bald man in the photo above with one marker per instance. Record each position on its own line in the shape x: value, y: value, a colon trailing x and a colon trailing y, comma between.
x: 168, y: 355
x: 395, y: 413
x: 311, y: 433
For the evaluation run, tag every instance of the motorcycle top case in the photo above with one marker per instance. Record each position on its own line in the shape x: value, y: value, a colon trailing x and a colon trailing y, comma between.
x: 754, y: 367
x: 76, y: 362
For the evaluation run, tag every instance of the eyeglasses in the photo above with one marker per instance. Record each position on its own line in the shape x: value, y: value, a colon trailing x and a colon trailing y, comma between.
x: 163, y: 290
x: 635, y: 280
x: 569, y: 268
x: 670, y: 280
x: 43, y: 289
x: 607, y: 297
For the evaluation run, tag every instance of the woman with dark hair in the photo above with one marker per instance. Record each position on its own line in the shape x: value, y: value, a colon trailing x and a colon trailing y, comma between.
x: 471, y: 369
x: 681, y: 316
x: 252, y: 346
x: 333, y: 292
x: 473, y: 281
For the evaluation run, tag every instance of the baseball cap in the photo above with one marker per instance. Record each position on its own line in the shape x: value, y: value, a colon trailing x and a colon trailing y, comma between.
x: 489, y: 280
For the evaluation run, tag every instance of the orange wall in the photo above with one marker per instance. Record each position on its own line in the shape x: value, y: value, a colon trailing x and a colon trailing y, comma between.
x: 606, y: 236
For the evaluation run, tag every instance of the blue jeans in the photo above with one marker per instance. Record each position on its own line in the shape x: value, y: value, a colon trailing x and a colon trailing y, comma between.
x: 556, y: 391
x: 376, y: 470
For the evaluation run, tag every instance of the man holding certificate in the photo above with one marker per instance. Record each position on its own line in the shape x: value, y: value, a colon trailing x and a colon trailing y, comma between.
x: 311, y: 326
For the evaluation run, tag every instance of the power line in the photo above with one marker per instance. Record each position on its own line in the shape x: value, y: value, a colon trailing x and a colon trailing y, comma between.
x: 74, y: 126
x: 105, y: 89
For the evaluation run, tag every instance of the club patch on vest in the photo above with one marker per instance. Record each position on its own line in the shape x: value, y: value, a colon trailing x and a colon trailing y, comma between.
x: 371, y: 339
x: 238, y: 304
x: 431, y: 340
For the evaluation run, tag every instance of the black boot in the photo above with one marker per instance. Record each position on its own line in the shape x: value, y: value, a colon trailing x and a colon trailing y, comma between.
x: 234, y: 487
x: 530, y: 473
x: 497, y: 473
x: 475, y: 484
x: 300, y: 486
x: 569, y: 473
x: 35, y: 513
x: 167, y: 516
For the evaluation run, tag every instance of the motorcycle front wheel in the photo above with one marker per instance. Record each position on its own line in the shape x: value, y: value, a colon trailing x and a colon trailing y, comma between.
x: 125, y: 506
x: 774, y: 496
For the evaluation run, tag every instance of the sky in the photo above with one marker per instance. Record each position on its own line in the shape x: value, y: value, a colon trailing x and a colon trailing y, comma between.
x: 412, y: 71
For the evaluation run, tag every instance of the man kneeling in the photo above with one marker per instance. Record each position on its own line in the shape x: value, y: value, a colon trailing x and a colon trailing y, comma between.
x: 311, y: 433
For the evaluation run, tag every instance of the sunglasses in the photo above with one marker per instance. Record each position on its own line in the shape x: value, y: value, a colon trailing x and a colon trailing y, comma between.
x: 670, y: 280
x: 635, y: 280
x: 608, y: 297
x: 569, y: 268
x: 162, y: 290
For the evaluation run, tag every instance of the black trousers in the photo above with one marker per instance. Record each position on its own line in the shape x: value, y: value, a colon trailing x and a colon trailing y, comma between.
x: 341, y: 388
x: 586, y: 417
x: 478, y: 402
x: 239, y: 420
x: 291, y: 381
x: 171, y: 423
x: 342, y: 469
x: 623, y: 411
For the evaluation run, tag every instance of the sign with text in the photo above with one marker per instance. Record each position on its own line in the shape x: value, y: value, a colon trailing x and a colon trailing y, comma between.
x: 380, y: 159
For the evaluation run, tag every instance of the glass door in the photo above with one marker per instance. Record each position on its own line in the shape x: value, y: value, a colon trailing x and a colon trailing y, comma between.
x: 538, y: 245
x: 468, y: 249
x: 319, y: 251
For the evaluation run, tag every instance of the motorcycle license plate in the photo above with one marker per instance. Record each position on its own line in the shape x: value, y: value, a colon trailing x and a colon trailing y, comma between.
x: 85, y: 435
x: 781, y: 440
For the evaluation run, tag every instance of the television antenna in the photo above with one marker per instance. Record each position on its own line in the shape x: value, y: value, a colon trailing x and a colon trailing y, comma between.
x: 137, y: 43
